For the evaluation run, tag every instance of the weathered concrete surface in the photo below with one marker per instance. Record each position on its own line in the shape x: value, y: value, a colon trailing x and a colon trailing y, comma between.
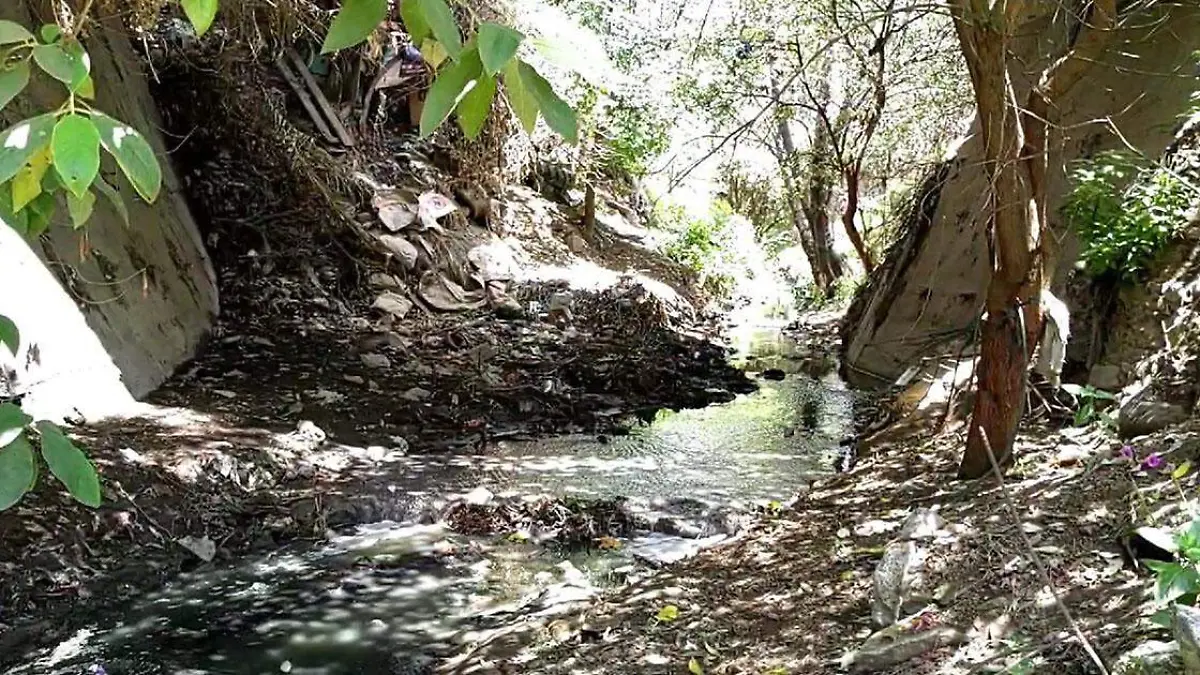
x: 115, y: 309
x: 929, y: 296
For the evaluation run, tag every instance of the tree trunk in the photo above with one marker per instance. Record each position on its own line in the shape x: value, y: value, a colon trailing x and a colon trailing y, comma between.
x: 786, y: 155
x: 1016, y: 149
x: 853, y: 176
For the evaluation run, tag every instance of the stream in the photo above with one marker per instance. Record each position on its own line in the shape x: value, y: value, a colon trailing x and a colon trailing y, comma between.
x: 391, y: 597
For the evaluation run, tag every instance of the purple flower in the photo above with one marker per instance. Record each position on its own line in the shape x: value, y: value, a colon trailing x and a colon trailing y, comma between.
x: 411, y: 54
x: 1127, y: 452
x: 1153, y: 462
x: 97, y: 669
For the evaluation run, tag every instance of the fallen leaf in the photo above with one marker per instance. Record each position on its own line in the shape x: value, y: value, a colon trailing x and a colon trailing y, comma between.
x: 667, y: 614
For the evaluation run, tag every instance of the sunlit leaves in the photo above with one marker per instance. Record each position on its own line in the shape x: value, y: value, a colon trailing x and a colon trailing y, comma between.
x: 355, y: 21
x: 451, y: 85
x: 695, y: 667
x: 18, y: 471
x: 19, y: 142
x: 440, y: 19
x: 557, y: 112
x: 76, y: 148
x: 475, y: 105
x: 13, y: 33
x: 201, y: 13
x: 133, y: 153
x: 69, y: 465
x: 523, y: 103
x: 66, y: 62
x: 497, y: 46
x: 667, y: 614
x: 27, y: 184
x: 10, y: 335
x: 13, y: 81
x: 414, y: 20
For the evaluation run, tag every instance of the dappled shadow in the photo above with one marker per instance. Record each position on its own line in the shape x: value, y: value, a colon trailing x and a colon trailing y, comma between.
x: 795, y: 594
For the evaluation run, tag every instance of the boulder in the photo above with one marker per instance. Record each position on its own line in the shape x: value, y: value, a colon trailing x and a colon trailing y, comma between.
x: 899, y: 643
x: 1150, y: 658
x: 1186, y: 624
x: 901, y: 583
x: 1141, y: 412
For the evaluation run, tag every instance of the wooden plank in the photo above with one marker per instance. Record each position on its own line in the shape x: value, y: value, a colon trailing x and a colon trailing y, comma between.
x: 305, y: 100
x: 334, y: 120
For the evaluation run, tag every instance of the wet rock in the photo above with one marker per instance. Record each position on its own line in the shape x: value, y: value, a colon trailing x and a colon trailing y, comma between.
x: 1186, y: 624
x: 773, y: 374
x: 1150, y: 658
x: 416, y: 394
x: 509, y: 310
x: 658, y: 550
x: 375, y: 360
x: 1140, y: 413
x: 479, y: 496
x: 897, y: 644
x: 677, y: 528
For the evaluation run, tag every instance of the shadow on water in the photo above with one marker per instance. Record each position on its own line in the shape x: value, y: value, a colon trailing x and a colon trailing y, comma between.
x: 389, y: 596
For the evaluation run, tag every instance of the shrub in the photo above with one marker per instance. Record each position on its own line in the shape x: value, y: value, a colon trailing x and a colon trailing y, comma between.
x: 1125, y: 212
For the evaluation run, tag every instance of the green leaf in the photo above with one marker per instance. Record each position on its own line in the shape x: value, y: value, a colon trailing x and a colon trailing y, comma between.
x: 133, y: 154
x: 13, y: 81
x: 70, y: 465
x: 433, y: 52
x: 201, y: 13
x: 1181, y: 470
x: 13, y: 421
x: 12, y: 33
x: 355, y: 21
x: 475, y: 105
x: 18, y: 471
x: 114, y: 198
x: 523, y: 103
x: 76, y: 147
x: 694, y: 667
x: 67, y: 63
x: 447, y: 90
x: 41, y: 211
x: 87, y: 89
x: 80, y: 208
x: 1174, y: 581
x: 497, y: 46
x: 441, y: 22
x: 414, y: 21
x: 27, y: 184
x: 50, y: 32
x: 10, y: 335
x: 19, y: 142
x: 557, y: 112
x: 667, y: 614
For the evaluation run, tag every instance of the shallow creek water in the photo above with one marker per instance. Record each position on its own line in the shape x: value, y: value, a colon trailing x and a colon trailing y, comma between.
x: 391, y: 595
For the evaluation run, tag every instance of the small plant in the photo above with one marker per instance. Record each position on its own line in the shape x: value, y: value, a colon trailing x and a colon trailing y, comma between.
x: 1178, y: 581
x: 1125, y: 211
x: 1092, y: 403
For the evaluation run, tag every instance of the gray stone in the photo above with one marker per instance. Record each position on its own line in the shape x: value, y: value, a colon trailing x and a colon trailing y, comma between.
x: 394, y: 304
x: 1105, y: 377
x: 400, y: 247
x: 480, y: 496
x: 1141, y: 413
x: 1150, y: 658
x: 374, y: 360
x: 1186, y: 624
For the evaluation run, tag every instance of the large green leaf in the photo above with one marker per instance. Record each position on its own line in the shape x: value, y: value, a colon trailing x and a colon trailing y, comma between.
x: 475, y: 105
x: 133, y: 154
x: 18, y: 471
x: 66, y: 62
x: 13, y: 81
x: 558, y: 113
x: 497, y: 46
x: 19, y: 142
x: 414, y: 21
x: 519, y: 97
x: 40, y: 211
x: 1174, y: 580
x: 12, y: 33
x: 10, y: 335
x: 13, y: 421
x: 448, y: 89
x: 76, y: 147
x: 354, y: 22
x: 201, y: 13
x: 441, y: 22
x: 70, y: 465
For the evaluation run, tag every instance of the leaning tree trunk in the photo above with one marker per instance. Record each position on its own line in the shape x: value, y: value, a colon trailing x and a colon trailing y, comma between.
x: 1016, y: 150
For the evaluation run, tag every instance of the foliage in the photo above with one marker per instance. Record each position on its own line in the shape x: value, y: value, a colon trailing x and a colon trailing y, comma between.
x: 809, y: 297
x: 761, y: 201
x: 1092, y: 403
x: 18, y: 461
x: 634, y: 135
x: 1177, y: 581
x: 1125, y: 212
x: 700, y: 244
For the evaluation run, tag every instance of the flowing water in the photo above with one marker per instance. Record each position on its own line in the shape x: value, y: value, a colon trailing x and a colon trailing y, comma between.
x: 389, y: 596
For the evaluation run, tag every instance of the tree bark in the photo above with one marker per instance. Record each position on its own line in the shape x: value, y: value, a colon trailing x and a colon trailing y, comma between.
x: 812, y: 244
x: 1016, y: 150
x: 853, y: 178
